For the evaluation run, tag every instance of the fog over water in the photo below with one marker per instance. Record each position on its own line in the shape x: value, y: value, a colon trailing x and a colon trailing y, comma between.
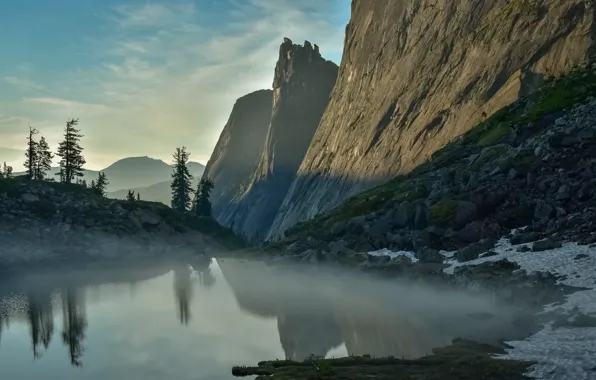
x: 196, y: 320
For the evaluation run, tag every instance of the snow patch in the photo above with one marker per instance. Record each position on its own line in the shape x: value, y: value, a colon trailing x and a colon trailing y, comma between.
x: 394, y: 254
x: 565, y: 352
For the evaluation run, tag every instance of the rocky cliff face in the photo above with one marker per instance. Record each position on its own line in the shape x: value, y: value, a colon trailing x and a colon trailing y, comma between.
x: 301, y: 88
x: 416, y: 74
x: 238, y: 149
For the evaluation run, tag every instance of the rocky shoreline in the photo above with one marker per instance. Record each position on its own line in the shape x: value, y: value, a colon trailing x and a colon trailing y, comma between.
x: 460, y: 361
x: 48, y: 224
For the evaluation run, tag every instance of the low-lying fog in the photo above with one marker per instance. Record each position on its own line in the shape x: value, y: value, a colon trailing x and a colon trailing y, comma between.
x: 196, y: 320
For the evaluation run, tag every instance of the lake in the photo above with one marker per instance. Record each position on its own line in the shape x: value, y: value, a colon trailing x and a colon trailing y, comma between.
x: 196, y: 320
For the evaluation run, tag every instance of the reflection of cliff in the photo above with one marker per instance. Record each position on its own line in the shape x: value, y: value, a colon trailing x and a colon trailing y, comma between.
x: 319, y: 311
x: 305, y: 321
x: 303, y: 332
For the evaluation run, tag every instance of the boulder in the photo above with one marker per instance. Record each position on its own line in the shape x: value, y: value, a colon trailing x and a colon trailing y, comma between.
x: 147, y: 217
x: 545, y: 245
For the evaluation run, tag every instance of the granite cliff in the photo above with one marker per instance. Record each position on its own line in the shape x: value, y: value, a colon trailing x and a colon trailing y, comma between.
x: 417, y: 74
x: 302, y: 84
x: 238, y: 149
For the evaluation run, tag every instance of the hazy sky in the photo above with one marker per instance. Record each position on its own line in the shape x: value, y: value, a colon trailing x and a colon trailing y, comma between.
x: 143, y: 76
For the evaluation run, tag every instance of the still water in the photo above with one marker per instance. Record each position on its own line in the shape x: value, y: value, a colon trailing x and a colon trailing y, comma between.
x: 197, y: 320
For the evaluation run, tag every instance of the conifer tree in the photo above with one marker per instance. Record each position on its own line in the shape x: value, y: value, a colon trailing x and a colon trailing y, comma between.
x: 31, y: 153
x: 101, y: 184
x: 44, y: 158
x: 202, y: 205
x: 130, y: 196
x: 6, y: 171
x: 181, y: 181
x: 71, y: 153
x: 138, y: 196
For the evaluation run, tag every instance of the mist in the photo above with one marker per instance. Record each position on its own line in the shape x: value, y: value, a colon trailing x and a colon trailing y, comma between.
x: 317, y: 310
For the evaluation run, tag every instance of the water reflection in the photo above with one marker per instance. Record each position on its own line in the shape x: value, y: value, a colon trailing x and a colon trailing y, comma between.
x: 40, y: 315
x: 183, y: 292
x: 314, y: 313
x: 74, y: 323
x: 317, y: 312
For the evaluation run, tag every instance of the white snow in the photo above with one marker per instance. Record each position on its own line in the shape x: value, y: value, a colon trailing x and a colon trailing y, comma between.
x: 394, y: 254
x: 566, y: 352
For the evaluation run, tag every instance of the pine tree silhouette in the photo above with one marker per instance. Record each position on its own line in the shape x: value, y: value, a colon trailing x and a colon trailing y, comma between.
x: 31, y: 153
x: 181, y: 181
x: 71, y: 153
x: 44, y: 158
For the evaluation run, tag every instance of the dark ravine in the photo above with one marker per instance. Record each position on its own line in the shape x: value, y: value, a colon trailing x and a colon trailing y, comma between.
x: 301, y: 87
x: 416, y: 74
x: 238, y: 149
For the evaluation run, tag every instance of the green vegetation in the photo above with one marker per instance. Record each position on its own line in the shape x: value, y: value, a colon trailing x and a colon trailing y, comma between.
x: 5, y: 171
x: 463, y: 360
x: 101, y: 185
x: 38, y: 157
x: 504, y: 15
x: 43, y: 208
x: 324, y: 365
x: 443, y: 211
x: 71, y: 153
x: 130, y: 196
x: 524, y: 158
x: 202, y: 203
x: 181, y: 181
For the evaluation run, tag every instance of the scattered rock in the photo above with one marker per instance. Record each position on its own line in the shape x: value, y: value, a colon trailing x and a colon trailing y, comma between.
x: 29, y: 198
x: 427, y: 255
x: 465, y: 212
x: 545, y: 245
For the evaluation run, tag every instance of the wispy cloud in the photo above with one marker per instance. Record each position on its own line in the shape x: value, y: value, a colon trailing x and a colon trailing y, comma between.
x: 23, y: 83
x: 175, y: 82
x: 153, y: 14
x: 64, y: 103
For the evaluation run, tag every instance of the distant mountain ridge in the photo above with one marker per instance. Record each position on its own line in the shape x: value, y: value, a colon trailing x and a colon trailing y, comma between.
x: 134, y: 172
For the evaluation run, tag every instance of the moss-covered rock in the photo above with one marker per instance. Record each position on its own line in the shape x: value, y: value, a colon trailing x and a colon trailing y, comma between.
x: 443, y: 212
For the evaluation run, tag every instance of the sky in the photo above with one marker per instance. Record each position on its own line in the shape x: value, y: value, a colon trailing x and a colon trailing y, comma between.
x: 144, y: 77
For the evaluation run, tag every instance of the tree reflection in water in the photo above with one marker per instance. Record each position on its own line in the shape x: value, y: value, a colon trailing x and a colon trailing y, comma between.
x: 74, y: 323
x: 183, y: 284
x: 183, y: 292
x: 40, y: 318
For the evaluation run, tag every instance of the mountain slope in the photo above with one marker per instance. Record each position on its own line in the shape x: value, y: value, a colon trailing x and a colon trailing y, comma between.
x: 301, y: 87
x: 133, y: 172
x: 530, y: 165
x: 238, y: 149
x: 416, y: 74
x: 158, y: 192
